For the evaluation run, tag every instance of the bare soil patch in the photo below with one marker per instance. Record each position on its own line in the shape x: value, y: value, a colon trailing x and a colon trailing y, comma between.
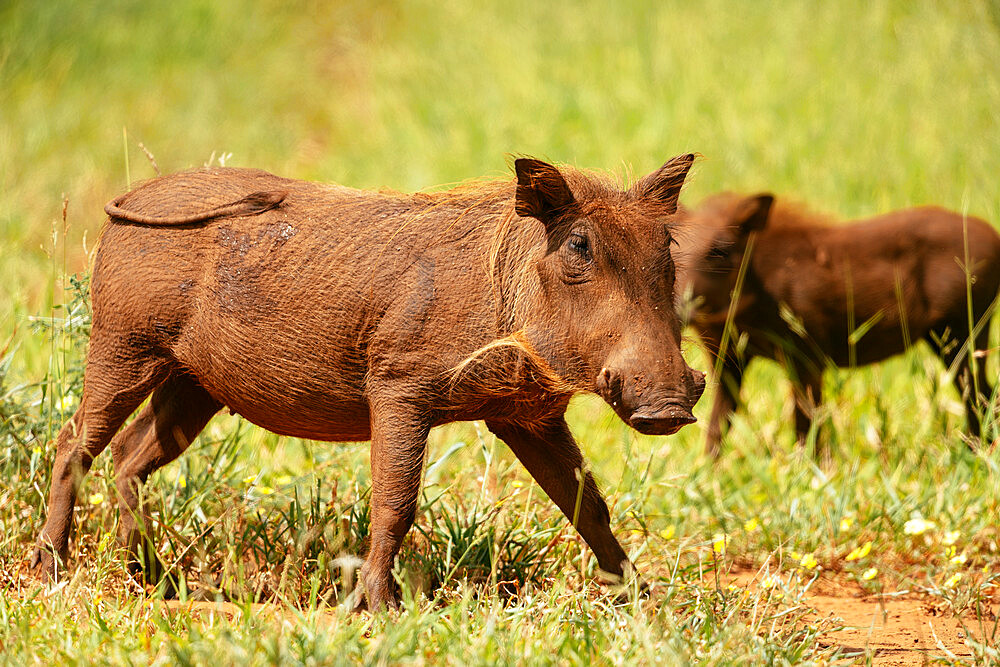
x: 896, y: 628
x: 905, y: 630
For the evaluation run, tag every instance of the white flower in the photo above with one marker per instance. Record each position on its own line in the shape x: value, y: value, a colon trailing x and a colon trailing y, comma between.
x: 918, y: 526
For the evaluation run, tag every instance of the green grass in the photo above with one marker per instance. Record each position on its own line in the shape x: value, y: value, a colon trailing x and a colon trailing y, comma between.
x: 855, y: 107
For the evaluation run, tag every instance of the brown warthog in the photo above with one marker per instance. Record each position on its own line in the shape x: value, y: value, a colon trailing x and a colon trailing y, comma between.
x: 816, y: 294
x: 329, y: 313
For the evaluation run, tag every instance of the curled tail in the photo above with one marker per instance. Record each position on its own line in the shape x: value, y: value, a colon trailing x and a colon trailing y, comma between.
x: 252, y: 204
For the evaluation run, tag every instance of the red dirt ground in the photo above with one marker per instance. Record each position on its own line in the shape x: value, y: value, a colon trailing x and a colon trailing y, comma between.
x: 895, y: 629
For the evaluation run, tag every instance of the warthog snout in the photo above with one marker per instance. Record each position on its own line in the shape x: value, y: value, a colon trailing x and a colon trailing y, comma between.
x: 650, y: 409
x: 665, y: 421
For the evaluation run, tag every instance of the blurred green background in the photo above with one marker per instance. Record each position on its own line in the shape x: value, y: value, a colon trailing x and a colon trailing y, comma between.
x: 856, y: 107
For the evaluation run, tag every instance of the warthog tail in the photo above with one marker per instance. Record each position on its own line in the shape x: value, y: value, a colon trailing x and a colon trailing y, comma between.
x: 252, y: 204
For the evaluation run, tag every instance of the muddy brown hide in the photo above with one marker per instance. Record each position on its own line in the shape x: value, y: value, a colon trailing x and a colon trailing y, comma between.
x: 894, y: 279
x: 329, y: 313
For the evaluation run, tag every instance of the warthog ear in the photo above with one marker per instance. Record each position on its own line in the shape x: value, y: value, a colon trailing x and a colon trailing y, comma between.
x: 664, y: 184
x: 753, y: 212
x: 542, y: 191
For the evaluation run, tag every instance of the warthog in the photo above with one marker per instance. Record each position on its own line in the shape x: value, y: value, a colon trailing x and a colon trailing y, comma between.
x: 335, y: 314
x: 816, y: 294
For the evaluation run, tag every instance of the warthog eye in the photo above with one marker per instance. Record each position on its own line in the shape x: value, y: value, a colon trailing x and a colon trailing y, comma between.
x: 577, y: 259
x: 579, y: 244
x: 717, y: 255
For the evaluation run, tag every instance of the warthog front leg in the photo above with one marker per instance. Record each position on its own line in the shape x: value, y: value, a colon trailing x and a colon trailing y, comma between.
x: 553, y: 458
x: 727, y: 395
x: 399, y: 440
x: 807, y: 393
x: 975, y: 389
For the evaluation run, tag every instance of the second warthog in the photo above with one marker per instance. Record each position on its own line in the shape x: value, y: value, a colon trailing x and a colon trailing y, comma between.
x: 815, y: 293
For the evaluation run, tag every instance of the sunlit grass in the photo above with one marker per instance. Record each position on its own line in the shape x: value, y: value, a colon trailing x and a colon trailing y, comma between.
x: 492, y: 571
x: 855, y: 107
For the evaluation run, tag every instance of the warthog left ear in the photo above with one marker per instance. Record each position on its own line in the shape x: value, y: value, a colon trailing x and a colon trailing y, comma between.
x: 753, y: 213
x: 542, y: 192
x: 664, y: 184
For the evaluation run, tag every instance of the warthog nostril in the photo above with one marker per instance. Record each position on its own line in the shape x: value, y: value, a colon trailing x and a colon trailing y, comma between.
x: 605, y: 380
x: 699, y: 384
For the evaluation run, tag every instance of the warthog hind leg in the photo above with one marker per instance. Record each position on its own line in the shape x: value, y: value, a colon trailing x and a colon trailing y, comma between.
x: 116, y: 381
x: 177, y: 411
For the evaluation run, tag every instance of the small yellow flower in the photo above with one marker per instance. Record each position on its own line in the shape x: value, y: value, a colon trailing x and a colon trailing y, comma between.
x: 869, y: 574
x: 66, y: 402
x: 769, y: 582
x: 719, y: 543
x: 917, y: 526
x: 846, y: 523
x: 96, y: 498
x: 952, y: 580
x: 250, y: 480
x: 860, y: 552
x: 265, y: 490
x: 668, y: 532
x: 959, y: 559
x: 105, y: 542
x: 517, y: 484
x: 809, y: 562
x: 751, y: 525
x: 950, y: 537
x: 182, y: 482
x: 283, y: 480
x: 795, y: 555
x: 36, y: 450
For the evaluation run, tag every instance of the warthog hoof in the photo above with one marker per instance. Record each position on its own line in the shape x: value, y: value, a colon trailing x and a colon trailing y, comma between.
x: 43, y: 564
